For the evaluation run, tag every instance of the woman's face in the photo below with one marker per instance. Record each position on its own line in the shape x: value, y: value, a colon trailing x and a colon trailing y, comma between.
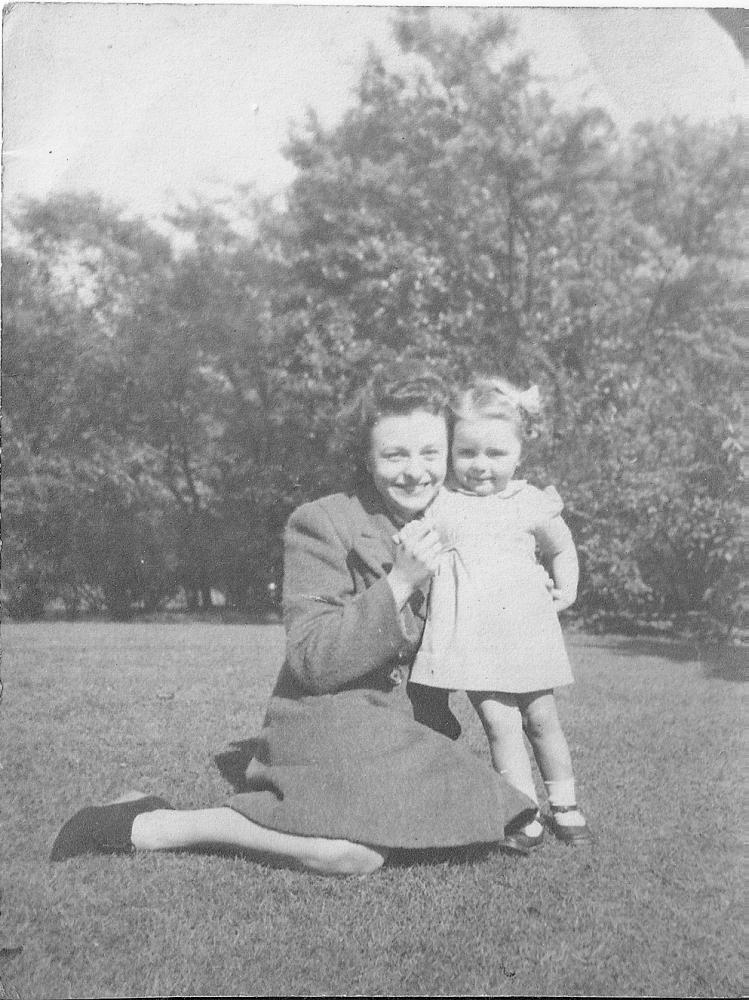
x: 408, y: 460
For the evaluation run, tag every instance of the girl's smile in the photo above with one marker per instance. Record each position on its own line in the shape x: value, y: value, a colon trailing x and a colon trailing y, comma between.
x: 485, y: 454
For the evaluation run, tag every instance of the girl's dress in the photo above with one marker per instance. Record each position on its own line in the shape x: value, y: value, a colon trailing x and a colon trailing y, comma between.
x: 491, y: 624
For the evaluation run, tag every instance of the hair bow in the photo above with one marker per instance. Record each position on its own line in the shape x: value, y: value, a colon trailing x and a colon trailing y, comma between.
x: 529, y: 401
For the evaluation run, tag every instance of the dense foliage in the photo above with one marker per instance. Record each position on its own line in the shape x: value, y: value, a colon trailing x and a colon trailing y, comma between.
x: 165, y: 411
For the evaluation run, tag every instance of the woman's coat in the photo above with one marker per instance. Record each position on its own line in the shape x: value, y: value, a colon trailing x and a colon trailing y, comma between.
x: 341, y: 753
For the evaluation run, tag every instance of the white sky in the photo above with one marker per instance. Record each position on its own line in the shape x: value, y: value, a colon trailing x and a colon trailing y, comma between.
x: 147, y: 103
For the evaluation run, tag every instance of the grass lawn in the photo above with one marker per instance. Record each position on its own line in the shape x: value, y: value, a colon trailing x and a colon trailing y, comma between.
x: 90, y: 710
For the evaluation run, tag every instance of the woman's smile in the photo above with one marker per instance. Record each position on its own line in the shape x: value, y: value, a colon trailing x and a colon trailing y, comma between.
x: 408, y: 461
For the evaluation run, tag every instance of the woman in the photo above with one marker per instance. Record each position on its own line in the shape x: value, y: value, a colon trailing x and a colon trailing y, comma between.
x: 352, y: 760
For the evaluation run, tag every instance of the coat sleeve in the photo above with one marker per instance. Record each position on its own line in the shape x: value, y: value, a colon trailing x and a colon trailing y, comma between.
x: 334, y: 635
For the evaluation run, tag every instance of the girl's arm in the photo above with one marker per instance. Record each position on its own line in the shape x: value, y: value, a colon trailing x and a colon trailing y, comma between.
x: 556, y: 546
x: 565, y: 571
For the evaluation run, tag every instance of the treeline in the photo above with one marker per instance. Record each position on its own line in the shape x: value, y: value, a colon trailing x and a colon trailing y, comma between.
x: 165, y: 409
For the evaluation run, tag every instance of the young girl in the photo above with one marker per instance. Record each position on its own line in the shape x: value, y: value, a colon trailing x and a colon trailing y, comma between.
x: 492, y: 629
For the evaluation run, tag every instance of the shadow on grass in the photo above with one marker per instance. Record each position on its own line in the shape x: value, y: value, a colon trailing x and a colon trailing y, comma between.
x: 669, y: 649
x: 726, y: 662
x: 722, y: 660
x: 398, y: 858
x: 416, y: 857
x: 233, y: 763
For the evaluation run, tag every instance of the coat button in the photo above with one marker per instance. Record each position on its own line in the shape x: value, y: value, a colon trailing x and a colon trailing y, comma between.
x: 395, y: 677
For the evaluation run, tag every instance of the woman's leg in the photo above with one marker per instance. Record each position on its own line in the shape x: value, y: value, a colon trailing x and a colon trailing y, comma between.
x: 168, y: 829
x: 148, y: 823
x: 544, y: 730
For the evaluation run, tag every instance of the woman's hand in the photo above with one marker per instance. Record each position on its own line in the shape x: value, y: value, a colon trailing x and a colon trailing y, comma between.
x: 417, y: 555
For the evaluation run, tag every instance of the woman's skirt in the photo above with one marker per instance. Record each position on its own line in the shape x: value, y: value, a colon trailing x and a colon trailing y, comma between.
x: 355, y: 766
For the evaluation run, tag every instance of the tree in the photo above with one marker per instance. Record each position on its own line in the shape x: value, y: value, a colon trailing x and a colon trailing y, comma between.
x: 181, y: 404
x: 456, y: 215
x: 77, y: 277
x: 145, y: 401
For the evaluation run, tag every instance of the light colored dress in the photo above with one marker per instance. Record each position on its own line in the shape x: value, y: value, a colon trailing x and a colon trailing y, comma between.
x: 491, y: 624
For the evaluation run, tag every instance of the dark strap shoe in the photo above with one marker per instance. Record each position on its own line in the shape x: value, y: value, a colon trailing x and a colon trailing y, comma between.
x: 569, y: 833
x: 517, y: 840
x: 102, y: 829
x: 527, y: 841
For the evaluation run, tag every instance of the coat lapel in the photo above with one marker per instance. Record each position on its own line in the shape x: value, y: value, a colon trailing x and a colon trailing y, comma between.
x: 375, y: 549
x: 373, y: 545
x: 373, y: 533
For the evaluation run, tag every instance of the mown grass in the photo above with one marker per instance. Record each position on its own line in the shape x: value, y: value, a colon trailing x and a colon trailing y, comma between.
x: 652, y: 908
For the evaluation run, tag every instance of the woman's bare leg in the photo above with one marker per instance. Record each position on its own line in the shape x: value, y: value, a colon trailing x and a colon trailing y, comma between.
x: 168, y: 829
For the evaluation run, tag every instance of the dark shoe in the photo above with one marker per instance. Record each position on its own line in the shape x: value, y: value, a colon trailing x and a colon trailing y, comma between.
x: 568, y: 834
x: 527, y: 841
x: 102, y: 829
x: 516, y: 839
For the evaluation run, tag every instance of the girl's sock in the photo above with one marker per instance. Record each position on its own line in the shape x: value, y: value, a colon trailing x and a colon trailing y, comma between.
x: 533, y: 829
x: 562, y: 793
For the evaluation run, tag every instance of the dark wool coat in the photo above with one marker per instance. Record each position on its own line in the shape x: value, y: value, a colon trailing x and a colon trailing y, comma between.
x: 340, y: 753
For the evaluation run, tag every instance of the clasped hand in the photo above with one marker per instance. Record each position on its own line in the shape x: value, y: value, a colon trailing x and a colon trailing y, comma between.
x: 417, y: 553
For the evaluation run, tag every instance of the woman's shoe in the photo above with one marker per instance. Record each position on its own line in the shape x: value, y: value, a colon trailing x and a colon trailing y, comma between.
x: 102, y: 829
x: 569, y: 833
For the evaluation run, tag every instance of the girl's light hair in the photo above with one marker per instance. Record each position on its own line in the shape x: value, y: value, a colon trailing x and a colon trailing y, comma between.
x: 498, y: 399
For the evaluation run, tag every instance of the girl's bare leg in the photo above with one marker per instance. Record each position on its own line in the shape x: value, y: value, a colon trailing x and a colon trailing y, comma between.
x: 167, y: 829
x: 544, y: 730
x: 503, y: 725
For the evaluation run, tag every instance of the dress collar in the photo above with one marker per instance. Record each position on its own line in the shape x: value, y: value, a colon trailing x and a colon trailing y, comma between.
x: 514, y: 486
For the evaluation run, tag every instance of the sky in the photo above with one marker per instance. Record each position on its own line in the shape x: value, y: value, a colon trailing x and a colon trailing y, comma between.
x: 148, y: 104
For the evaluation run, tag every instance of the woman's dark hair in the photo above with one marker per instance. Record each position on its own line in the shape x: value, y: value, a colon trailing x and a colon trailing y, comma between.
x: 396, y: 389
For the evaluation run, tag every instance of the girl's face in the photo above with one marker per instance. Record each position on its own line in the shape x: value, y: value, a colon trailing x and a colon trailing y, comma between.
x: 485, y: 454
x: 408, y: 461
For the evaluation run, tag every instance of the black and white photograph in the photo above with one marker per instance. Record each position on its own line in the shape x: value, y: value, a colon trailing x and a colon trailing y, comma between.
x: 373, y: 594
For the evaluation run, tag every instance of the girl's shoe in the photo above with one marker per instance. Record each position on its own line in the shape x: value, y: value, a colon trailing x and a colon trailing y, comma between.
x: 569, y: 833
x: 525, y: 842
x: 102, y: 829
x: 511, y: 846
x: 517, y: 838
